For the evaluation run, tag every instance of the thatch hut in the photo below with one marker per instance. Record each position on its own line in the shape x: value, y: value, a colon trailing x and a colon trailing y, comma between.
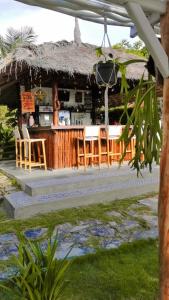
x: 68, y: 63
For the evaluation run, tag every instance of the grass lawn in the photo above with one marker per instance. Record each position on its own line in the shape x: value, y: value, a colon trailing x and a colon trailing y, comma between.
x: 127, y: 273
x: 130, y: 272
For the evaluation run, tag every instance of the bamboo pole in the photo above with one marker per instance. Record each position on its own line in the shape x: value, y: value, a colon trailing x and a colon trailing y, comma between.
x: 163, y: 210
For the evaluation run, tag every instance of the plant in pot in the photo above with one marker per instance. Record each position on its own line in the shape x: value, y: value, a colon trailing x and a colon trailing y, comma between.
x: 106, y: 70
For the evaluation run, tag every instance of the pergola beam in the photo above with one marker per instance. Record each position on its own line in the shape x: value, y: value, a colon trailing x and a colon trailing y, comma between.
x: 83, y: 8
x: 148, y: 5
x: 146, y: 32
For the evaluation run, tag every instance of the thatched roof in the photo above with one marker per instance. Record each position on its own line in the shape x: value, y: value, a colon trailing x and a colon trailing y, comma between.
x: 64, y: 57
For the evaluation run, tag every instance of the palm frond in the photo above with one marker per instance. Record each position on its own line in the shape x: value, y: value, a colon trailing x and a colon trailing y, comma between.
x: 24, y: 37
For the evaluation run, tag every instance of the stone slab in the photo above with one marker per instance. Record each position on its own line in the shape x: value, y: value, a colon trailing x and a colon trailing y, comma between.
x: 73, y: 188
x: 21, y: 205
x: 151, y: 203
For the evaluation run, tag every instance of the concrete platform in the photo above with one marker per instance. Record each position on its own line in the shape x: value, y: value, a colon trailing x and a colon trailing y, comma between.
x: 61, y: 189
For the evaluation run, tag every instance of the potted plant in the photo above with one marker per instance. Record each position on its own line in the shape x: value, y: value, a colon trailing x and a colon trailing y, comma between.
x: 106, y: 70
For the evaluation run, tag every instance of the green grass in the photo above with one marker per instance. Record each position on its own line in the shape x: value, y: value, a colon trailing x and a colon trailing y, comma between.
x: 73, y: 215
x: 127, y: 273
x: 130, y: 272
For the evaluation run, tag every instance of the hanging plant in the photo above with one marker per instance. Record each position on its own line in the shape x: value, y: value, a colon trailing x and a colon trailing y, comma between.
x: 106, y: 70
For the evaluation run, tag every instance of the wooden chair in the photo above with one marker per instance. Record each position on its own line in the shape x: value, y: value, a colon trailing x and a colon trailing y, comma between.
x: 113, y: 149
x: 91, y: 147
x: 29, y: 151
x: 19, y: 143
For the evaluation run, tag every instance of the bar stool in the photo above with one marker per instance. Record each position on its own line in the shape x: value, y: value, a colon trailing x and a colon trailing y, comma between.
x: 19, y: 143
x: 130, y: 147
x: 113, y: 150
x: 90, y: 139
x: 29, y: 151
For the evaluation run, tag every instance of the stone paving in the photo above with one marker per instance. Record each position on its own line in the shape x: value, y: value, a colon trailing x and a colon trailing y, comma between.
x: 138, y: 222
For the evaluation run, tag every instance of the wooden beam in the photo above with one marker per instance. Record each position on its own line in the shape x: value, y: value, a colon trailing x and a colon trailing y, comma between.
x: 146, y: 32
x: 56, y: 103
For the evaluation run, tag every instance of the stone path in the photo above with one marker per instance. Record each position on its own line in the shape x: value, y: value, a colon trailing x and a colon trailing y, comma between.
x: 138, y: 222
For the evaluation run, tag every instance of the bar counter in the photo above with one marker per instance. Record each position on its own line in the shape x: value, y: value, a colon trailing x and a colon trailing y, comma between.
x: 60, y: 144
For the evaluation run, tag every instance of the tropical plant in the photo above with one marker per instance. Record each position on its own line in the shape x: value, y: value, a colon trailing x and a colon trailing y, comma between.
x: 143, y: 124
x: 6, y: 134
x: 12, y: 117
x: 40, y: 275
x: 137, y: 48
x: 15, y: 38
x: 3, y: 111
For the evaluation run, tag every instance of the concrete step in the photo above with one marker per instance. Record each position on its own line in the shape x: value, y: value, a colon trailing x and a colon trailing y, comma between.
x: 22, y: 205
x: 50, y: 185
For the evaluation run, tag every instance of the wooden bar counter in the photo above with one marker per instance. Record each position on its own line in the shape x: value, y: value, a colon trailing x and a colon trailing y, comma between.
x: 60, y: 144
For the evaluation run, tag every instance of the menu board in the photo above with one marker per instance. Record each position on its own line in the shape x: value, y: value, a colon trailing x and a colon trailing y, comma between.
x: 27, y: 102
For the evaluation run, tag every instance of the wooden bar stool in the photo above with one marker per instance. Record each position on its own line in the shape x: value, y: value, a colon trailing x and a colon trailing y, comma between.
x: 91, y: 147
x: 113, y: 149
x: 19, y: 145
x: 130, y: 150
x: 29, y: 151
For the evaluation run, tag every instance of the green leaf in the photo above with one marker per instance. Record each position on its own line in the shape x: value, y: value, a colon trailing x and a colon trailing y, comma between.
x: 99, y: 51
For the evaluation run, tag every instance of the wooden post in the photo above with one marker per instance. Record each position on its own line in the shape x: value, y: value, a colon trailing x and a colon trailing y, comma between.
x: 163, y: 212
x: 56, y: 103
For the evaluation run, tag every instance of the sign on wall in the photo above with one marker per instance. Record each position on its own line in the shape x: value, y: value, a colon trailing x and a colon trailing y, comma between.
x: 27, y: 102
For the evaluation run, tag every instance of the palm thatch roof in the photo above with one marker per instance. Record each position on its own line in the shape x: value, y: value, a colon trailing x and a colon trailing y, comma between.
x: 64, y: 56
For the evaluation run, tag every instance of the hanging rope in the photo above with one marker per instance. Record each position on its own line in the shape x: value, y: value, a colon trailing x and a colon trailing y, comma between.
x: 106, y: 101
x: 112, y: 74
x: 103, y: 44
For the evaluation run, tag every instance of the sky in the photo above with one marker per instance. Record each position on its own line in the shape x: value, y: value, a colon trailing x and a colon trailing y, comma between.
x: 52, y: 26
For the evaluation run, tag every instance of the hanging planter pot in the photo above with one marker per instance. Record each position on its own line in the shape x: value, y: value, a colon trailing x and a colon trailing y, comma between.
x: 106, y: 73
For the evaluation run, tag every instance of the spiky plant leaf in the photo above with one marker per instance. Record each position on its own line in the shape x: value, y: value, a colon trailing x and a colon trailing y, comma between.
x: 143, y: 125
x: 40, y: 275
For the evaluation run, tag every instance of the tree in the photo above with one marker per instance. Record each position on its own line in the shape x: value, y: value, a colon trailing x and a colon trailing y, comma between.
x: 137, y: 48
x: 15, y: 38
x: 163, y: 213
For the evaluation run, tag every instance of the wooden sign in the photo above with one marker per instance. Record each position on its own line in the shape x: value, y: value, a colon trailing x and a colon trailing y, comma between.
x: 27, y: 102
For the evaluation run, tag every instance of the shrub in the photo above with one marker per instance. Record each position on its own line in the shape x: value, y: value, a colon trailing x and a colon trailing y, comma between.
x: 40, y: 275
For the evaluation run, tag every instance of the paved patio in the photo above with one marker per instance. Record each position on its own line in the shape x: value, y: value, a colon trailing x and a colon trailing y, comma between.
x: 60, y: 189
